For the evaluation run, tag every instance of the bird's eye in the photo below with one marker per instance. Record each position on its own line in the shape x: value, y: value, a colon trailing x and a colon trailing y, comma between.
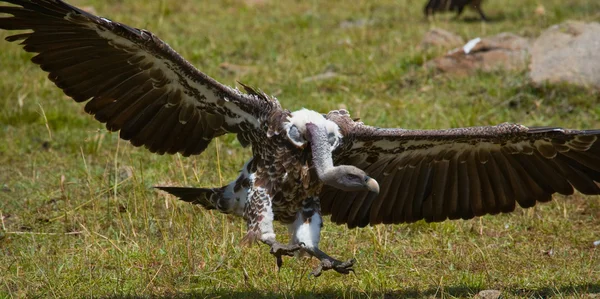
x: 351, y: 177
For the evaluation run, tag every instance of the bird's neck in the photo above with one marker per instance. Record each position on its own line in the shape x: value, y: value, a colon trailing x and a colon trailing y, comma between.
x: 321, y: 149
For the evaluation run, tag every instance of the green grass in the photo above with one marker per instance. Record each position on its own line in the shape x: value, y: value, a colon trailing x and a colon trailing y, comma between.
x: 74, y: 223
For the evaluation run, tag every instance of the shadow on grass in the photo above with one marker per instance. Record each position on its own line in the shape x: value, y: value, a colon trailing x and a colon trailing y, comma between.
x: 497, y: 18
x: 455, y: 291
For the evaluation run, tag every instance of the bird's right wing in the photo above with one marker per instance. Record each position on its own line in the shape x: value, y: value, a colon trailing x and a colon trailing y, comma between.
x: 137, y: 84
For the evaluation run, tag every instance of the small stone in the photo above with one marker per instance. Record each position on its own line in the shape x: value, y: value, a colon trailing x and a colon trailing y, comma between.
x: 488, y: 294
x: 540, y: 10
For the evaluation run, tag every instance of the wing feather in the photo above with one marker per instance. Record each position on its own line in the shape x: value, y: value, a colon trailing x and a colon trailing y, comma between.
x: 132, y: 80
x: 451, y: 205
x: 541, y: 179
x: 423, y: 187
x: 342, y: 206
x: 488, y: 198
x: 362, y: 198
x: 464, y: 189
x: 438, y: 192
x: 387, y: 190
x: 552, y: 173
x: 361, y: 201
x: 382, y: 216
x: 499, y: 186
x: 459, y: 173
x: 475, y: 186
x: 578, y: 175
x: 403, y: 205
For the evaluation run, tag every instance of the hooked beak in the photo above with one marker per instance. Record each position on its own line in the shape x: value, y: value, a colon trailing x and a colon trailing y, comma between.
x: 372, y: 185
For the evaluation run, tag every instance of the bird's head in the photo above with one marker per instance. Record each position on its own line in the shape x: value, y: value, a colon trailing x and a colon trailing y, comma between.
x: 350, y: 178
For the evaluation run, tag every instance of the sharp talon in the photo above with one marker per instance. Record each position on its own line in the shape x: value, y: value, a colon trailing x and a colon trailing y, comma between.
x: 317, y: 271
x: 279, y: 250
x: 279, y: 262
x: 333, y: 264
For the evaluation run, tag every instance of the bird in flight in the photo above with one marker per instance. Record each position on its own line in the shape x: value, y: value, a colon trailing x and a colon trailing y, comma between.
x: 304, y: 164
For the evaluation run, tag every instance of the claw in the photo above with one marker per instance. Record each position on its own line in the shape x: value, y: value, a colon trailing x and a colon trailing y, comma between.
x: 279, y: 250
x: 333, y: 264
x: 329, y: 263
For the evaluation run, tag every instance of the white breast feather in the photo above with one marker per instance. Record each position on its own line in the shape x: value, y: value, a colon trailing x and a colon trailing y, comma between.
x: 308, y: 233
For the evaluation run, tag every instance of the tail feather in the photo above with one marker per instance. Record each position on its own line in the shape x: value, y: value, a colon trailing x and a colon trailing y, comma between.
x: 206, y: 197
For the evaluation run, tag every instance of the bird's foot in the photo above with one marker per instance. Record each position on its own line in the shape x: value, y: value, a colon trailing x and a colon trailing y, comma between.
x: 279, y: 250
x: 333, y: 264
x: 329, y: 263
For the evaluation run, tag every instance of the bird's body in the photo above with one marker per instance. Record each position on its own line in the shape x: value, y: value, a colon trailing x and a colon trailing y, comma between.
x: 279, y: 197
x: 304, y: 164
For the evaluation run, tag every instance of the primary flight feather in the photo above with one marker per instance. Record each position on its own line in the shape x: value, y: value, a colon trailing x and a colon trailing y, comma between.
x: 305, y: 164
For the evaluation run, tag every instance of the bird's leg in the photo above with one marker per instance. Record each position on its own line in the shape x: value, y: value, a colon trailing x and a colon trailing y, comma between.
x: 459, y: 11
x: 481, y: 14
x: 306, y: 231
x: 259, y: 215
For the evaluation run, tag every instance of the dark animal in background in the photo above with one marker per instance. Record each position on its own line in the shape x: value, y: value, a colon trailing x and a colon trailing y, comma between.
x: 453, y: 5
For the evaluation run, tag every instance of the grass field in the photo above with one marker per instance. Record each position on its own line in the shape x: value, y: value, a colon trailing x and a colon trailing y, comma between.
x: 79, y: 217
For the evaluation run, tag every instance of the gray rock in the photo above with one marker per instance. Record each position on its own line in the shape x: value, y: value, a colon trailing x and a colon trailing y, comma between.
x: 568, y: 52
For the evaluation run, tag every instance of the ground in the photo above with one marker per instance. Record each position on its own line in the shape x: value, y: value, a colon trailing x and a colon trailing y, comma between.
x: 80, y: 217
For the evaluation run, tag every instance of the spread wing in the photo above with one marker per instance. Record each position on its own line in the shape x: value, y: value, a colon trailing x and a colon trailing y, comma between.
x: 134, y: 82
x: 459, y: 173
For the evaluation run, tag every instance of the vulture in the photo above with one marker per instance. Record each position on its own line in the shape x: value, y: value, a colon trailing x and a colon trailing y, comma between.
x: 304, y: 164
x: 433, y: 6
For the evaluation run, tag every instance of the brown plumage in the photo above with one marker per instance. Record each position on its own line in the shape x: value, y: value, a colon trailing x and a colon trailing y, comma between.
x: 459, y: 173
x: 434, y: 6
x: 304, y: 163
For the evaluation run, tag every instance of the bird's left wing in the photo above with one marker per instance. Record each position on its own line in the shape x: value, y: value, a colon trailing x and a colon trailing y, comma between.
x: 137, y: 84
x: 458, y: 173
